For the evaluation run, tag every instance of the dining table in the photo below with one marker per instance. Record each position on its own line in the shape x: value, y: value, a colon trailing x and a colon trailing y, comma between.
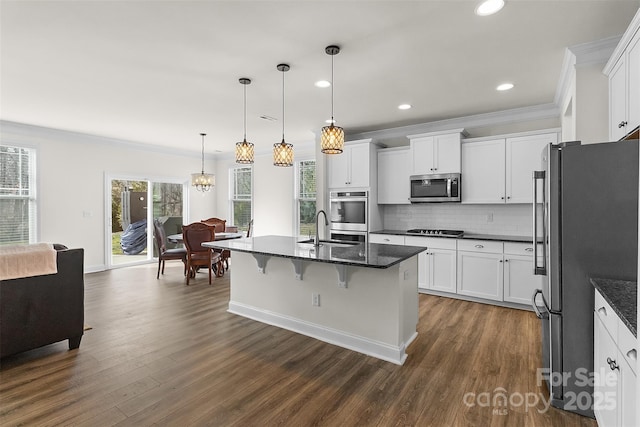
x: 177, y: 238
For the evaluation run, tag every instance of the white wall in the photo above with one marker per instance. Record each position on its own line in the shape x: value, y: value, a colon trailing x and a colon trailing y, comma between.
x: 273, y: 191
x: 71, y: 170
x: 591, y: 104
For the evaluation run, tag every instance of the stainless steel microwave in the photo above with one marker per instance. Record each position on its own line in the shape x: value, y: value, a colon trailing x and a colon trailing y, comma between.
x: 435, y: 188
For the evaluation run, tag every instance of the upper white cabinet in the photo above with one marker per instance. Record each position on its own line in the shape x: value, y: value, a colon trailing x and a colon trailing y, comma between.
x: 499, y: 170
x: 623, y: 70
x: 435, y: 152
x: 393, y: 175
x: 351, y: 168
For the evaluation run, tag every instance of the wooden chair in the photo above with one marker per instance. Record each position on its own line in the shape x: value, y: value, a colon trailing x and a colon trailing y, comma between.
x: 250, y: 229
x: 220, y: 226
x: 193, y: 236
x: 164, y: 253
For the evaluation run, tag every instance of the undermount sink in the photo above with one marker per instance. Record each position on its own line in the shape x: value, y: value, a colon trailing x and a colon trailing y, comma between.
x: 336, y: 243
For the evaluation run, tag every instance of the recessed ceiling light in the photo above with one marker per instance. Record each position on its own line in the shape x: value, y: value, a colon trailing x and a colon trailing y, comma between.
x: 322, y: 83
x: 404, y: 106
x: 505, y: 86
x: 489, y: 7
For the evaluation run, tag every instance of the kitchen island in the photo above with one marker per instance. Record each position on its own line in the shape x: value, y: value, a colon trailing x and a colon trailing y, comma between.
x: 363, y: 297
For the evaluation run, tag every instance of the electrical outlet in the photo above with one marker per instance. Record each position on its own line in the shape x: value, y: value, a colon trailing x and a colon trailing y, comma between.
x: 315, y: 300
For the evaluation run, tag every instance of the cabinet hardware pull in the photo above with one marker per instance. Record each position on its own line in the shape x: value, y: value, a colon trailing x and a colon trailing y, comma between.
x: 502, y: 198
x: 500, y: 261
x: 632, y: 354
x: 479, y: 246
x: 529, y: 249
x: 602, y: 310
x: 386, y: 240
x: 506, y: 260
x: 612, y: 364
x: 622, y: 124
x: 508, y: 197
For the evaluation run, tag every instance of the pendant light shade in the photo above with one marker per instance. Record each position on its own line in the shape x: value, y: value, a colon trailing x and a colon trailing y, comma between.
x: 332, y: 138
x: 244, y: 149
x: 283, y: 152
x: 203, y: 181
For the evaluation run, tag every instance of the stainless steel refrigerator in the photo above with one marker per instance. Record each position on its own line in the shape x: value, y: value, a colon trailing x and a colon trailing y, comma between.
x: 587, y: 209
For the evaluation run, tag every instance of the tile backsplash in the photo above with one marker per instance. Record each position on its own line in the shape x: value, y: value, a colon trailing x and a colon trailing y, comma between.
x: 484, y: 219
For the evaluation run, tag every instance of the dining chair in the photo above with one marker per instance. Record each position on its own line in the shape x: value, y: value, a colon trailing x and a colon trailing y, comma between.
x: 220, y: 226
x: 250, y: 229
x: 164, y: 253
x: 193, y: 235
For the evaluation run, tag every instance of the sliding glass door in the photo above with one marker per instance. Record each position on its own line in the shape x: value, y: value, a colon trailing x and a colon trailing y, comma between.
x: 134, y: 205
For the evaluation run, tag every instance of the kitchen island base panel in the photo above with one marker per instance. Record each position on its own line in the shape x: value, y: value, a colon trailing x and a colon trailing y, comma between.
x: 376, y: 314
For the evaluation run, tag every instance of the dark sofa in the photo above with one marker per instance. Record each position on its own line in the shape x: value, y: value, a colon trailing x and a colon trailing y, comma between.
x: 40, y: 310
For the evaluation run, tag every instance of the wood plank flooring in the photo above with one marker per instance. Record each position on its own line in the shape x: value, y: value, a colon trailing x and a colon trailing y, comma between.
x: 162, y: 353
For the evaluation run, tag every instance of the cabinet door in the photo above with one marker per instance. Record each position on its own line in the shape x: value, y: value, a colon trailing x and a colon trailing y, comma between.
x: 523, y: 156
x: 633, y: 79
x: 422, y: 155
x: 617, y: 100
x: 443, y: 270
x: 359, y: 165
x: 393, y: 176
x: 339, y: 169
x: 424, y: 269
x: 480, y: 275
x: 628, y: 393
x: 605, y: 392
x: 483, y: 171
x: 447, y: 153
x: 519, y: 280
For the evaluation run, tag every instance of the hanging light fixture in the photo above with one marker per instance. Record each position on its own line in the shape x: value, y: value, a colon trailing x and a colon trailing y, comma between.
x: 203, y: 181
x: 332, y: 138
x: 244, y: 149
x: 283, y: 152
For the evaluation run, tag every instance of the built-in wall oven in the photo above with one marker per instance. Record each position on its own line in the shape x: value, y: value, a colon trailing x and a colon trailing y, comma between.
x: 348, y: 215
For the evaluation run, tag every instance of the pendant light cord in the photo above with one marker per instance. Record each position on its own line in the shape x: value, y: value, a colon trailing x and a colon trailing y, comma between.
x: 332, y: 121
x: 203, y: 135
x: 283, y: 106
x: 245, y: 112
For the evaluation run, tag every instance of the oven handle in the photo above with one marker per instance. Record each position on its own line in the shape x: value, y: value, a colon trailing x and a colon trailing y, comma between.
x: 350, y: 199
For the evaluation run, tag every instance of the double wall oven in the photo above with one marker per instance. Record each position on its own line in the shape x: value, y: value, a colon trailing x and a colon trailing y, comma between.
x: 349, y: 215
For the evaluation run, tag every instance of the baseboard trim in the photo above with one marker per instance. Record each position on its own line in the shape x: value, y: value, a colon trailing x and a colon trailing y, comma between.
x: 360, y: 344
x: 505, y: 304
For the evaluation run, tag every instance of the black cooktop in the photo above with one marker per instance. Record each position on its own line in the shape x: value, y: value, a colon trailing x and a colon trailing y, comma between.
x: 441, y: 233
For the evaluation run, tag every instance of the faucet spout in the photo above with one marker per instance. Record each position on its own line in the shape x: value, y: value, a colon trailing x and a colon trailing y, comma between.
x: 316, y: 241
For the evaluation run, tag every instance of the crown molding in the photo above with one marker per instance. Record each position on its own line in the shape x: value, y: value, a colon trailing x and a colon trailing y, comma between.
x: 633, y: 27
x: 567, y: 75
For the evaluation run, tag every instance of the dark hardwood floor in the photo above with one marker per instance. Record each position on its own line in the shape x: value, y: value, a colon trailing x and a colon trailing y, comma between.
x: 162, y: 353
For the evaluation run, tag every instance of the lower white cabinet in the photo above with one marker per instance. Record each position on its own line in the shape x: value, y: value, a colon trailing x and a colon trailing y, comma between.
x: 437, y: 264
x: 480, y: 274
x: 615, y: 366
x: 519, y: 280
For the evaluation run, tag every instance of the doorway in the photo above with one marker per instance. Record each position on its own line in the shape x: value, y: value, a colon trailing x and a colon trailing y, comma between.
x: 134, y: 204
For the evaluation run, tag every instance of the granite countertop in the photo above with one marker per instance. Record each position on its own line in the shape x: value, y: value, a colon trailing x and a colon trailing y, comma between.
x: 622, y: 295
x: 370, y: 255
x: 497, y: 237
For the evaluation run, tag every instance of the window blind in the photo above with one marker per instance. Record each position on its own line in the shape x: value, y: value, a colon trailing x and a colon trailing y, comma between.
x: 17, y: 195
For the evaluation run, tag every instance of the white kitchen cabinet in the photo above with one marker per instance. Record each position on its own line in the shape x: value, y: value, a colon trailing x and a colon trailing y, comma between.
x: 499, y: 170
x: 386, y: 239
x: 480, y: 269
x: 351, y: 168
x: 437, y: 265
x: 614, y: 359
x: 436, y: 152
x: 519, y: 280
x: 393, y: 175
x: 623, y: 70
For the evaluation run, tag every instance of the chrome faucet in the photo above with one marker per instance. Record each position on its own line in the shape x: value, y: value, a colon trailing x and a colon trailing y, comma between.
x: 316, y: 241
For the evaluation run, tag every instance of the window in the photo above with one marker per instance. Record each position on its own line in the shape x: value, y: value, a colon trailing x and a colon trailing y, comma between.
x: 17, y: 195
x: 240, y: 196
x: 306, y: 198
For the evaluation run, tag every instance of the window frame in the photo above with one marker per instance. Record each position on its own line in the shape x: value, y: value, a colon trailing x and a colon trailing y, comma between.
x: 232, y: 193
x: 32, y: 196
x: 296, y: 193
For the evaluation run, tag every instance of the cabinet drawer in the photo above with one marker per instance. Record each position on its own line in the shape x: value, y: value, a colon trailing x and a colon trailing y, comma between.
x: 628, y: 345
x: 430, y: 242
x: 606, y: 314
x: 488, y: 246
x: 512, y: 248
x: 386, y: 239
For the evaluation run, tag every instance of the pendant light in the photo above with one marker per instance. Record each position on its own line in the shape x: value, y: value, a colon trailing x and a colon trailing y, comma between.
x: 203, y: 181
x: 283, y: 152
x: 244, y: 149
x: 332, y: 138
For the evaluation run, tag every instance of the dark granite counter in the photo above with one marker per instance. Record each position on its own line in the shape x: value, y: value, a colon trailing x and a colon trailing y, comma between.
x: 371, y: 255
x: 623, y: 297
x: 496, y: 237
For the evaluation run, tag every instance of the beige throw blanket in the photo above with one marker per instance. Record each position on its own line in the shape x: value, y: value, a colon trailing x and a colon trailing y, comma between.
x: 27, y: 260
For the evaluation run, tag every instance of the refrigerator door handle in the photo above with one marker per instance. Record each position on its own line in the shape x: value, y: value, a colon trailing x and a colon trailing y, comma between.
x: 537, y: 270
x: 534, y: 305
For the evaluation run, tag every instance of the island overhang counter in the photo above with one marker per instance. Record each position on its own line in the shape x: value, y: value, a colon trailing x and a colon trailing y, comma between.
x: 362, y: 297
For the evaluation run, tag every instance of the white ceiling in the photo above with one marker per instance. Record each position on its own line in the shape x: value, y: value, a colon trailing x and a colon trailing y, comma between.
x: 161, y: 72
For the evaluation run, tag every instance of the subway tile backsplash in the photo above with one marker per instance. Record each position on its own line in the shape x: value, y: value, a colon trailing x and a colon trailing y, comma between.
x: 483, y: 219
